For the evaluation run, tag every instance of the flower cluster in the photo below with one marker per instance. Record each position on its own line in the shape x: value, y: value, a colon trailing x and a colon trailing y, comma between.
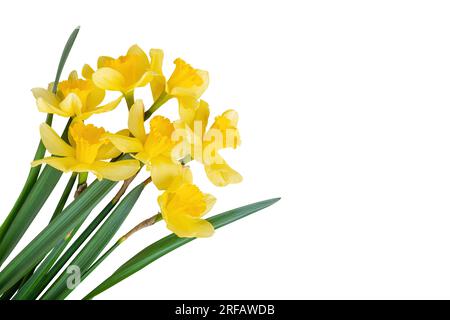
x: 164, y: 148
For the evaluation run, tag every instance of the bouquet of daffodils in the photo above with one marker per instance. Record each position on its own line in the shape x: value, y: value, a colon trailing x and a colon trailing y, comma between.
x: 151, y: 149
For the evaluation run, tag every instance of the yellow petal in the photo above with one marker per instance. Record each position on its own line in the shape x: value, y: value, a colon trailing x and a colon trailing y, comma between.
x: 221, y: 174
x: 115, y: 171
x: 87, y: 71
x: 61, y: 164
x: 210, y: 202
x: 53, y: 143
x: 108, y: 150
x: 44, y: 106
x: 164, y: 171
x: 102, y: 109
x: 108, y: 79
x: 94, y: 98
x: 104, y: 61
x: 71, y: 104
x: 158, y: 83
x: 45, y: 94
x: 136, y: 120
x: 192, y: 228
x: 73, y: 75
x: 142, y: 81
x: 125, y: 144
x: 135, y: 50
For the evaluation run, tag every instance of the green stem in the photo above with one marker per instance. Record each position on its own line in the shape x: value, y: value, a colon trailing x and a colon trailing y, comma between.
x: 144, y: 224
x: 129, y: 98
x: 163, y: 98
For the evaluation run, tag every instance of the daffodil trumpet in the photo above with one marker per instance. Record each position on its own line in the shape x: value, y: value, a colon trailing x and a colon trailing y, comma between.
x: 161, y: 145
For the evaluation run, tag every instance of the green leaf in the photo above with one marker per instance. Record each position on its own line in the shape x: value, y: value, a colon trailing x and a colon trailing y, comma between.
x: 172, y: 242
x: 49, y: 269
x: 68, y: 219
x: 34, y: 172
x: 59, y: 289
x: 25, y: 216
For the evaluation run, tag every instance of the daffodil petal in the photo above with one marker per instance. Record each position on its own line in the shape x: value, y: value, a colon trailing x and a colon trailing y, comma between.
x: 94, y: 98
x: 164, y: 171
x: 87, y: 71
x: 135, y: 50
x: 108, y: 150
x: 61, y: 164
x: 108, y: 79
x: 210, y: 202
x: 73, y: 75
x: 125, y: 144
x: 136, y: 120
x: 45, y: 94
x: 115, y: 171
x: 106, y: 108
x: 44, y: 106
x: 53, y: 143
x: 192, y: 228
x: 143, y: 80
x: 71, y: 104
x: 104, y: 61
x: 158, y: 83
x: 221, y: 174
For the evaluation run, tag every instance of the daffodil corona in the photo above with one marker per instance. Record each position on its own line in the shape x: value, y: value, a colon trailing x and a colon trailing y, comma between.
x: 183, y: 207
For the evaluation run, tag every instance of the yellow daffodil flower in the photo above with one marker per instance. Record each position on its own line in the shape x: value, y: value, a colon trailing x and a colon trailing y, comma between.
x: 184, y: 83
x: 87, y: 149
x: 76, y: 98
x: 183, y: 207
x: 123, y: 74
x: 153, y: 149
x: 187, y: 82
x: 204, y: 146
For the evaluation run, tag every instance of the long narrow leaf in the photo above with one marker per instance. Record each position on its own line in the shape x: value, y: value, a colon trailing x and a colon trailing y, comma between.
x: 60, y: 289
x: 172, y: 242
x: 34, y: 172
x: 69, y: 218
x: 35, y: 200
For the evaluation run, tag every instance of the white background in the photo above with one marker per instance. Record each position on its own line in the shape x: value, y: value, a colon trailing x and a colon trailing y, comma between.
x: 345, y: 114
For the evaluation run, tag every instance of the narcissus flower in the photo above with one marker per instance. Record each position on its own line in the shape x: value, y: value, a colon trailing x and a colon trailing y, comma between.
x: 76, y: 98
x: 184, y: 83
x: 183, y: 208
x: 123, y: 74
x: 204, y: 146
x: 153, y: 149
x: 87, y: 149
x: 187, y: 82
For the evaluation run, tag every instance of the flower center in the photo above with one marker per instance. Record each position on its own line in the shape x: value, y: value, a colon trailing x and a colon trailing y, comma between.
x: 82, y: 88
x: 184, y: 75
x: 87, y: 140
x: 128, y: 66
x: 187, y: 201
